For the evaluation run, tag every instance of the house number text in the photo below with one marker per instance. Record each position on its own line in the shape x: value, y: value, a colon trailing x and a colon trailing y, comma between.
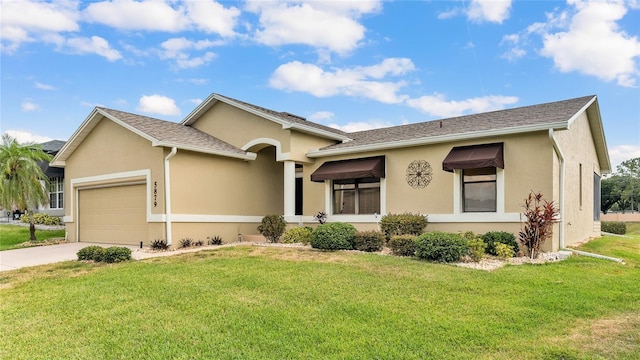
x: 155, y: 194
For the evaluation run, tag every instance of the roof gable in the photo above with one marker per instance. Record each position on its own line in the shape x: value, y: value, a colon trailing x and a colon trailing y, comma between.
x: 158, y: 132
x: 285, y: 119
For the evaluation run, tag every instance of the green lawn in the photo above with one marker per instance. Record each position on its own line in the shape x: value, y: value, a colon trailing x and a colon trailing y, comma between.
x: 288, y: 303
x: 13, y: 235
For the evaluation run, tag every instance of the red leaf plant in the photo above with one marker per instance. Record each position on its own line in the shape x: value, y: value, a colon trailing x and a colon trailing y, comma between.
x: 539, y: 217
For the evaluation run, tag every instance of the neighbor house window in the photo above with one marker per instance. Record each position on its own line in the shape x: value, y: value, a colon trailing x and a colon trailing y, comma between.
x: 56, y: 193
x: 479, y: 190
x: 356, y: 196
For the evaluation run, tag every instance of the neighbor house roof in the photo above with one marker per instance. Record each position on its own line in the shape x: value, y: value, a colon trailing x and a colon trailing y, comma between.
x: 287, y: 120
x: 52, y: 147
x: 555, y: 115
x: 159, y: 132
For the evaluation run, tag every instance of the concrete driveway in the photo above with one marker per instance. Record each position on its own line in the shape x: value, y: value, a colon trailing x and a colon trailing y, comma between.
x: 40, y: 255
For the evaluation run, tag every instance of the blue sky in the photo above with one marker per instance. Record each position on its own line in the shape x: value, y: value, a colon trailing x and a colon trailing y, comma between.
x: 349, y: 64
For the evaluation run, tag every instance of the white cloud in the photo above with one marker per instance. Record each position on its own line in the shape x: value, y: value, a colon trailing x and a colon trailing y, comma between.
x: 321, y: 116
x: 42, y: 86
x: 594, y: 44
x: 360, y: 81
x: 158, y: 104
x: 94, y: 45
x: 169, y: 16
x: 361, y: 125
x: 449, y: 14
x: 24, y: 137
x: 620, y: 153
x: 212, y: 17
x: 495, y: 11
x: 195, y: 101
x: 89, y: 104
x: 177, y: 49
x: 28, y: 106
x: 25, y: 21
x: 329, y: 25
x: 137, y: 15
x: 585, y: 37
x: 438, y: 105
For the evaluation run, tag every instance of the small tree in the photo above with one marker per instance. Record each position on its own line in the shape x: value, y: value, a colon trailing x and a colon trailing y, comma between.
x: 21, y: 178
x: 539, y: 217
x: 272, y: 227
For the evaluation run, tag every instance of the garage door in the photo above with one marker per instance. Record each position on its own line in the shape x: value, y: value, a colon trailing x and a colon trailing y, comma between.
x: 113, y: 215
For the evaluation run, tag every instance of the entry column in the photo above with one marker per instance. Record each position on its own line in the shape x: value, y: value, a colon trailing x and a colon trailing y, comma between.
x: 289, y: 188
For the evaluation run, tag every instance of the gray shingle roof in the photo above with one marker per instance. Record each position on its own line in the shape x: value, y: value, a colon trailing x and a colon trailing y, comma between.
x: 52, y: 147
x: 548, y: 113
x: 173, y: 133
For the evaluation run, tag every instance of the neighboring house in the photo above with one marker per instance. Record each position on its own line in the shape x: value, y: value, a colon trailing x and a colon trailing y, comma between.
x: 133, y: 179
x: 55, y: 207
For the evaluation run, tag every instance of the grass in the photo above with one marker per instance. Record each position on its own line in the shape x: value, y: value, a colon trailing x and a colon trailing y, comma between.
x: 11, y: 236
x: 288, y: 303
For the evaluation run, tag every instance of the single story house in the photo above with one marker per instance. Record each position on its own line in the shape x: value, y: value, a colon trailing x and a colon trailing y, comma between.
x: 55, y: 207
x: 132, y: 178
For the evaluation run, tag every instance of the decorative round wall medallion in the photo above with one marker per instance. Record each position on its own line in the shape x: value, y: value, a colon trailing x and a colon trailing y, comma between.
x: 419, y: 174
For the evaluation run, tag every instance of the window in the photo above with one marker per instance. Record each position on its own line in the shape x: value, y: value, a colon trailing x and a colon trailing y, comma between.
x: 356, y: 196
x: 56, y: 193
x: 596, y: 197
x: 479, y: 190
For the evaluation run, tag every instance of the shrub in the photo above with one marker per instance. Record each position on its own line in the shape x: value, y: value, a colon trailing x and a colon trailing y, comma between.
x: 504, y: 251
x: 500, y: 237
x: 198, y: 243
x: 539, y: 217
x: 116, y: 254
x: 476, y: 248
x: 440, y: 246
x: 215, y: 240
x: 186, y: 242
x: 333, y: 236
x: 41, y: 219
x: 614, y: 227
x: 298, y: 235
x: 368, y: 241
x: 93, y: 252
x: 272, y: 227
x: 401, y: 224
x: 159, y: 244
x: 403, y: 245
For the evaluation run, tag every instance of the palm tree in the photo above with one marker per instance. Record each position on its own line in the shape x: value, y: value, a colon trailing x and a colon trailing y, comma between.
x: 21, y: 178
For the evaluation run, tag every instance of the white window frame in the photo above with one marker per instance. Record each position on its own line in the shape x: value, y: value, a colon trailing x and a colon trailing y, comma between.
x: 356, y: 218
x: 458, y: 211
x: 58, y: 182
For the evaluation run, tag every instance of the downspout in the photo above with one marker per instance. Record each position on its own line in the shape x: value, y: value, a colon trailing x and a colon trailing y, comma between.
x: 556, y: 147
x: 167, y: 193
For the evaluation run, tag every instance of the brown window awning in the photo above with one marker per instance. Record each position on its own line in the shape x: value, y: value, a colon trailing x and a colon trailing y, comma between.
x: 474, y: 157
x: 372, y: 167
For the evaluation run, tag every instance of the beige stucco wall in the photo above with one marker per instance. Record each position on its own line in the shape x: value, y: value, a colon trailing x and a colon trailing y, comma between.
x: 110, y: 149
x: 204, y: 184
x: 238, y: 127
x: 527, y: 167
x: 581, y: 162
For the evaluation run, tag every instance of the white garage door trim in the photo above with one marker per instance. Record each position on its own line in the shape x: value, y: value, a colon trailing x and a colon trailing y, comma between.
x: 121, y: 178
